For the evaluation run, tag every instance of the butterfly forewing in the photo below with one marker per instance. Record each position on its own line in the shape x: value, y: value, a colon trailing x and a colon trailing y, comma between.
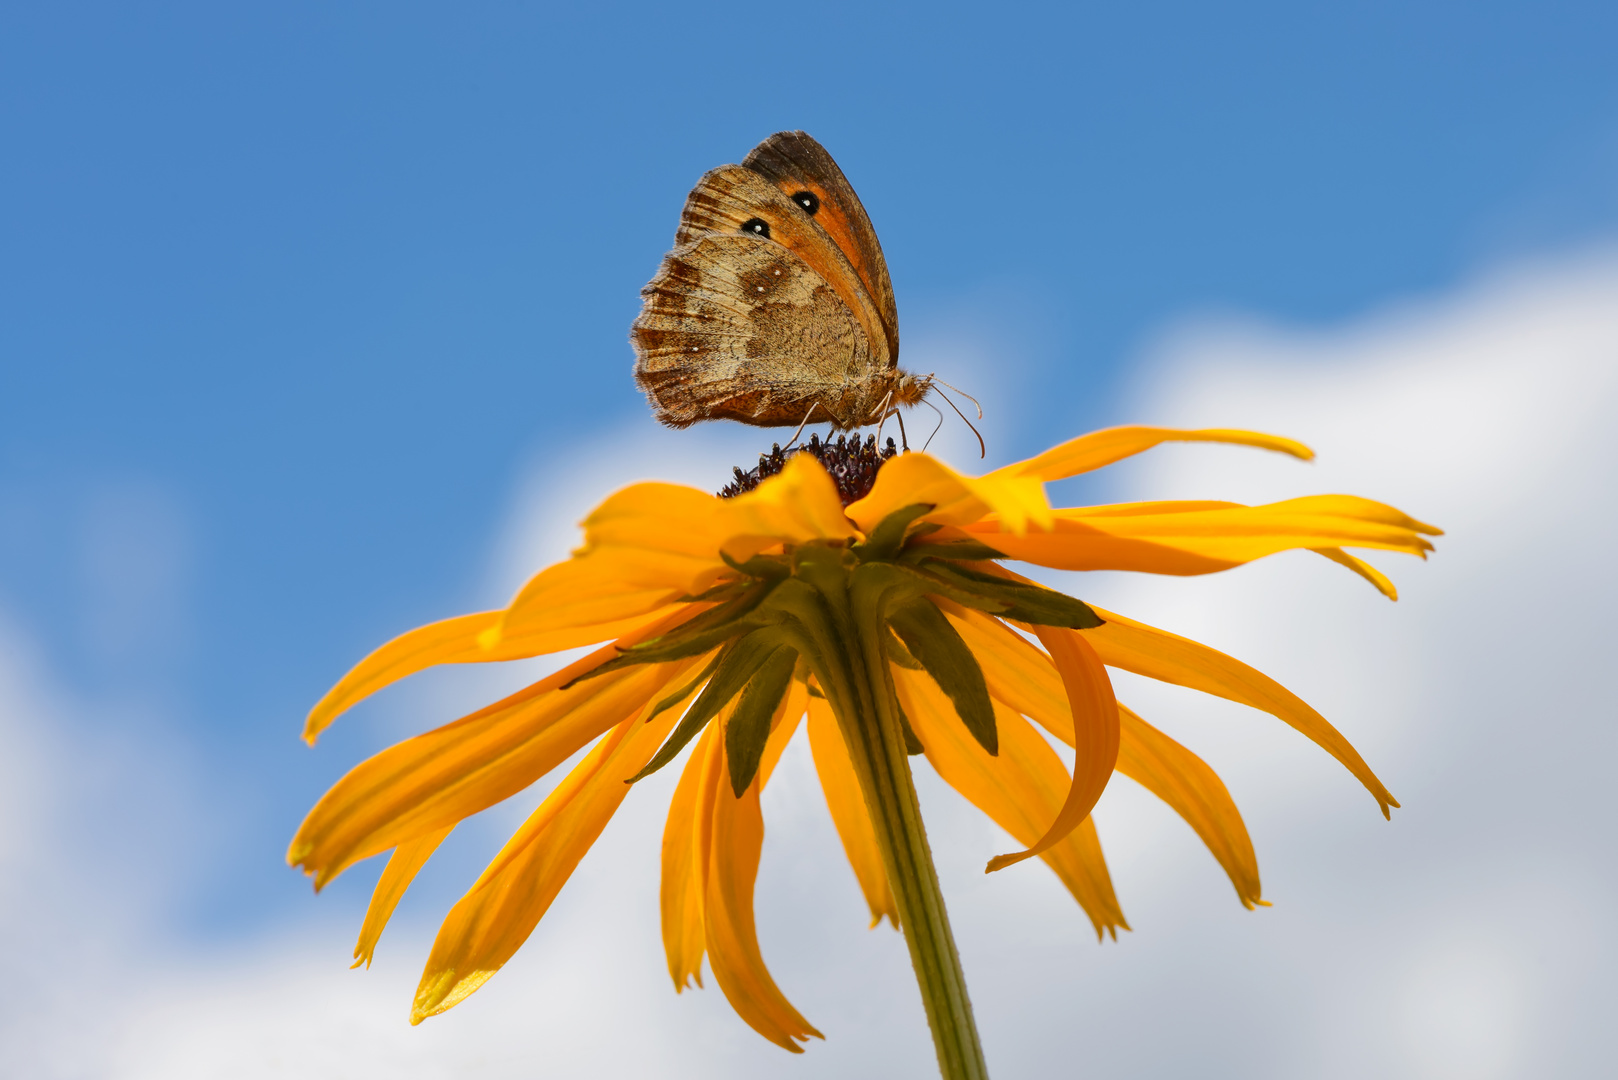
x: 729, y: 198
x: 793, y: 162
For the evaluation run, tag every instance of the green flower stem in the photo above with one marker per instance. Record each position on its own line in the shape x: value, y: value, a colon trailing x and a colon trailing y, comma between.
x: 859, y: 688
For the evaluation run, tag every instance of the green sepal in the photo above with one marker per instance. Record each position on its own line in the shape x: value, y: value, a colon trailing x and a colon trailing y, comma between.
x: 685, y: 691
x: 762, y: 567
x: 736, y: 666
x: 969, y: 550
x: 933, y: 641
x: 1025, y: 602
x: 898, y: 653
x: 912, y: 742
x: 693, y: 638
x: 748, y: 728
x: 888, y: 537
x: 721, y: 592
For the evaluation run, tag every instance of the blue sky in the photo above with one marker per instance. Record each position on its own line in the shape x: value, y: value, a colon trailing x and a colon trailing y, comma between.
x: 293, y: 295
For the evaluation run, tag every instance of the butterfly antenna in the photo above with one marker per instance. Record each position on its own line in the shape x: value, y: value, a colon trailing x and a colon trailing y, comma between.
x: 801, y: 426
x: 983, y: 450
x: 958, y: 390
x: 933, y: 407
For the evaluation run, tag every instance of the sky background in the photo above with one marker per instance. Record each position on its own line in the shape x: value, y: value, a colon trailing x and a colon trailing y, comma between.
x: 313, y: 327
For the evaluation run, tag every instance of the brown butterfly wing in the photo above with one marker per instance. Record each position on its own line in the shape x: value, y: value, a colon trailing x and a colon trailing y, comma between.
x: 730, y: 197
x: 739, y: 327
x: 793, y: 162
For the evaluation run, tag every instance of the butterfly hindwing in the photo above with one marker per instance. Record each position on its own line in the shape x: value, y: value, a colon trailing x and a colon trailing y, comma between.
x: 739, y: 327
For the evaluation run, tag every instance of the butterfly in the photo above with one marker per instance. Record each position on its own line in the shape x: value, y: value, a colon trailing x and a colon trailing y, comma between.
x: 775, y: 307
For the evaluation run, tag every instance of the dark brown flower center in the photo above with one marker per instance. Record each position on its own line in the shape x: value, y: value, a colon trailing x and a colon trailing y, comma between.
x: 853, y: 465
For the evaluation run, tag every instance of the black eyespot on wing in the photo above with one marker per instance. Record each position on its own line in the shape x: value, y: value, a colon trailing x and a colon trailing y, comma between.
x: 808, y: 200
x: 756, y: 227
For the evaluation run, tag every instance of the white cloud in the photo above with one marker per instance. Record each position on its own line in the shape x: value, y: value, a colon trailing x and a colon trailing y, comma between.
x: 1467, y: 938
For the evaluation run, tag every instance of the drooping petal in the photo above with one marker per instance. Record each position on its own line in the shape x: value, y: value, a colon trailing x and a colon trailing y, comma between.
x: 473, y: 639
x: 848, y: 813
x: 1095, y: 721
x: 957, y: 500
x: 1022, y: 678
x: 1169, y: 538
x: 688, y: 829
x: 494, y: 918
x: 682, y: 886
x: 1021, y: 788
x: 1158, y: 654
x: 403, y: 865
x: 1184, y: 781
x: 437, y: 778
x: 736, y: 840
x: 1104, y: 447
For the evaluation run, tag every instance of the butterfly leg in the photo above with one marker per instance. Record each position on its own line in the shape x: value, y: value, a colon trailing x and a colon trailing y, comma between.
x: 882, y: 412
x: 801, y: 426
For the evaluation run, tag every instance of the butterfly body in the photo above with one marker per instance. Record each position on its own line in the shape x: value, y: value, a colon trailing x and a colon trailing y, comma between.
x: 775, y: 305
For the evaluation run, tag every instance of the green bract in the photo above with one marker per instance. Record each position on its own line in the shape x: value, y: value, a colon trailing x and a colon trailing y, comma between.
x: 829, y: 609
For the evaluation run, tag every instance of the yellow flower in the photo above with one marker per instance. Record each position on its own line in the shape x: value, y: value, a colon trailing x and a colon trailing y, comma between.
x: 730, y: 622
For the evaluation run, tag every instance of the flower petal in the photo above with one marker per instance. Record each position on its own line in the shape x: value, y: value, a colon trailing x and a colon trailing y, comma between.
x: 797, y: 505
x: 957, y: 500
x: 1023, y: 679
x: 494, y: 918
x: 736, y: 839
x: 1158, y: 654
x: 1377, y: 578
x: 1101, y: 448
x: 567, y: 600
x: 1168, y: 538
x: 1184, y: 781
x: 1095, y: 722
x: 684, y: 854
x: 434, y: 780
x: 687, y: 831
x: 1021, y: 789
x: 407, y: 859
x: 848, y: 813
x: 474, y: 638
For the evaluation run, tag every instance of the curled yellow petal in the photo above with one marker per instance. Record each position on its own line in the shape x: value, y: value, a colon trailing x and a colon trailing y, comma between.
x: 1377, y: 578
x: 1101, y: 448
x: 1022, y: 789
x: 1095, y: 743
x: 846, y: 803
x: 494, y: 918
x: 1158, y: 654
x: 403, y: 865
x: 1024, y: 680
x: 1184, y: 781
